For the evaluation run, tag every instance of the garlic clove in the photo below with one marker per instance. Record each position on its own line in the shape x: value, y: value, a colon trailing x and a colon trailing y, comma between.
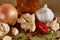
x: 7, y: 38
x: 54, y: 25
x: 15, y: 31
x: 33, y: 23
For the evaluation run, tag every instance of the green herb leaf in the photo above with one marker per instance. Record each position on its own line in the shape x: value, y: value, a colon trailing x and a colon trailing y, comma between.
x: 35, y: 38
x: 20, y: 36
x: 48, y: 31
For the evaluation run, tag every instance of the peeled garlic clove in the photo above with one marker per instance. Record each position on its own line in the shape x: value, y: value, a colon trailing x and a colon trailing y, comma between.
x: 15, y: 31
x: 53, y: 24
x: 44, y: 14
x: 7, y: 38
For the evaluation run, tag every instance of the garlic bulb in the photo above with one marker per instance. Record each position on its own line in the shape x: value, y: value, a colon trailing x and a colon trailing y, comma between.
x: 44, y: 14
x: 27, y: 22
x: 4, y: 29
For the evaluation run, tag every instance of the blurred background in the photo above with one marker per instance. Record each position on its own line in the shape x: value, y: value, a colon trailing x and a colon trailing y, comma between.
x: 52, y: 4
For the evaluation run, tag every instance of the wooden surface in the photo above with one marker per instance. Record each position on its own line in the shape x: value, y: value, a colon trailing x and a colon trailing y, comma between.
x: 52, y: 4
x: 13, y: 2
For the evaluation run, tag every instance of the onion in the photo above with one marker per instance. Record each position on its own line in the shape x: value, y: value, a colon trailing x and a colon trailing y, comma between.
x: 8, y: 13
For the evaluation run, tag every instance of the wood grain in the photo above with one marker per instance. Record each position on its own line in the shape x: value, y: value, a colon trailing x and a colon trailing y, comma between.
x: 13, y: 2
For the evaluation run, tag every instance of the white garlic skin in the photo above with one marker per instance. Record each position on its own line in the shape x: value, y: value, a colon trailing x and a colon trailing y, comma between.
x: 44, y: 14
x: 27, y: 22
x: 7, y: 38
x: 54, y: 25
x: 15, y: 31
x: 4, y: 29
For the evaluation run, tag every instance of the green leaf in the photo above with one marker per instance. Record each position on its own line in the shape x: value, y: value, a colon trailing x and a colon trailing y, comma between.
x: 35, y: 38
x: 48, y: 31
x: 20, y: 36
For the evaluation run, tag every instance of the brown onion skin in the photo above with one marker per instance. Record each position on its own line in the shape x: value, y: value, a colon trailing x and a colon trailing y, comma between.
x: 10, y: 13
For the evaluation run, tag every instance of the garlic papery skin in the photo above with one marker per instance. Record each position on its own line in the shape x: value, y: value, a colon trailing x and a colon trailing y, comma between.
x: 7, y: 38
x: 44, y: 14
x: 4, y: 29
x: 15, y: 31
x: 54, y: 25
x: 27, y: 22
